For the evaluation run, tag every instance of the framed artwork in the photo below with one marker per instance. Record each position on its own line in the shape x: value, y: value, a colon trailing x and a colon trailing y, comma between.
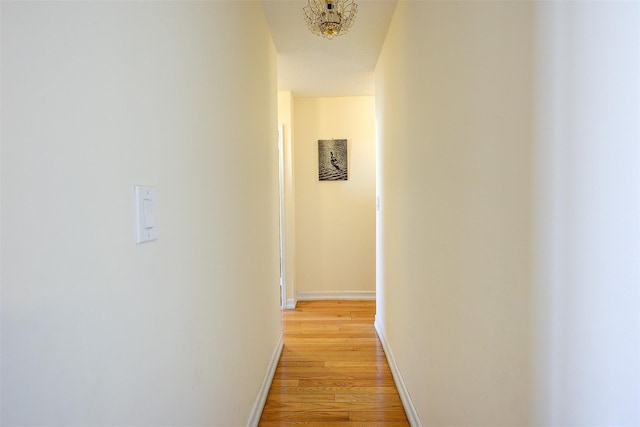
x: 332, y: 160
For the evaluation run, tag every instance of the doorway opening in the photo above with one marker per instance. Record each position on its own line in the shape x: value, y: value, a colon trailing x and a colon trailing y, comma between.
x: 281, y: 196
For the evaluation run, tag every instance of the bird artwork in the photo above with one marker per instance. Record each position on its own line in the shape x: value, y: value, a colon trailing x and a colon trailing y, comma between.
x: 332, y: 160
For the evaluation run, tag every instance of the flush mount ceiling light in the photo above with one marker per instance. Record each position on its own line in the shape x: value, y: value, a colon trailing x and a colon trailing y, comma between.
x: 330, y: 18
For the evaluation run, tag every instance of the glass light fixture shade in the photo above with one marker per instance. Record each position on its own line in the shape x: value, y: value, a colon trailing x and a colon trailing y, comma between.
x: 330, y: 18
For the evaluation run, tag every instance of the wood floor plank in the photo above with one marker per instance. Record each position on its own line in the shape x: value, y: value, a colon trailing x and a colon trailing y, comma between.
x: 377, y: 352
x: 333, y: 390
x: 333, y: 424
x: 304, y: 363
x: 284, y: 382
x: 324, y: 406
x: 330, y: 341
x: 332, y: 370
x: 325, y: 417
x: 304, y: 397
x: 327, y: 382
x: 327, y: 333
x: 351, y: 364
x: 340, y: 347
x: 313, y: 371
x: 393, y: 399
x: 367, y: 416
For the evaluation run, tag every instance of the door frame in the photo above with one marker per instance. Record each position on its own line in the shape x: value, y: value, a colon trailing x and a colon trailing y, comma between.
x: 282, y: 228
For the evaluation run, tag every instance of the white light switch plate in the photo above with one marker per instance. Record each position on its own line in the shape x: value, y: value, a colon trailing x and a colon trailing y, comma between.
x: 146, y: 215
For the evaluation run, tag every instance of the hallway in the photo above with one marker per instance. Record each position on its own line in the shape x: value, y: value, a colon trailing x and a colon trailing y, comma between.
x: 332, y: 370
x: 495, y: 192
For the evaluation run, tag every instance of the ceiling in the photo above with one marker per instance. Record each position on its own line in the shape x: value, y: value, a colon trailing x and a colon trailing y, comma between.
x: 312, y: 66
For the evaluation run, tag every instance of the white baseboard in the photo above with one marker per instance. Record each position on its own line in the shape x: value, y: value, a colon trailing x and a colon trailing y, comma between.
x: 258, y: 406
x: 291, y: 304
x: 409, y: 407
x: 345, y: 296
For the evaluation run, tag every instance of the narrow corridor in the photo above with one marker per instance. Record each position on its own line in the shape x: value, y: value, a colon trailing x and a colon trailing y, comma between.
x: 332, y: 371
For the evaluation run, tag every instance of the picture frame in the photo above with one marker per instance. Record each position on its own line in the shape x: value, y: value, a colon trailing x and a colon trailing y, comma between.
x: 333, y: 162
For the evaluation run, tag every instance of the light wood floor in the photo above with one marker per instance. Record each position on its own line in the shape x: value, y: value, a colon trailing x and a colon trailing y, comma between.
x: 332, y: 371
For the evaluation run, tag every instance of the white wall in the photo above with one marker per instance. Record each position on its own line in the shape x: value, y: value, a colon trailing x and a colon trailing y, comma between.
x: 453, y: 108
x: 335, y: 220
x: 587, y: 161
x: 98, y: 97
x: 508, y: 237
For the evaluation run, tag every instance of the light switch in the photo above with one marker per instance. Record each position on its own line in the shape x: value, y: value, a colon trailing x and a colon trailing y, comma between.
x: 146, y: 219
x: 149, y: 213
